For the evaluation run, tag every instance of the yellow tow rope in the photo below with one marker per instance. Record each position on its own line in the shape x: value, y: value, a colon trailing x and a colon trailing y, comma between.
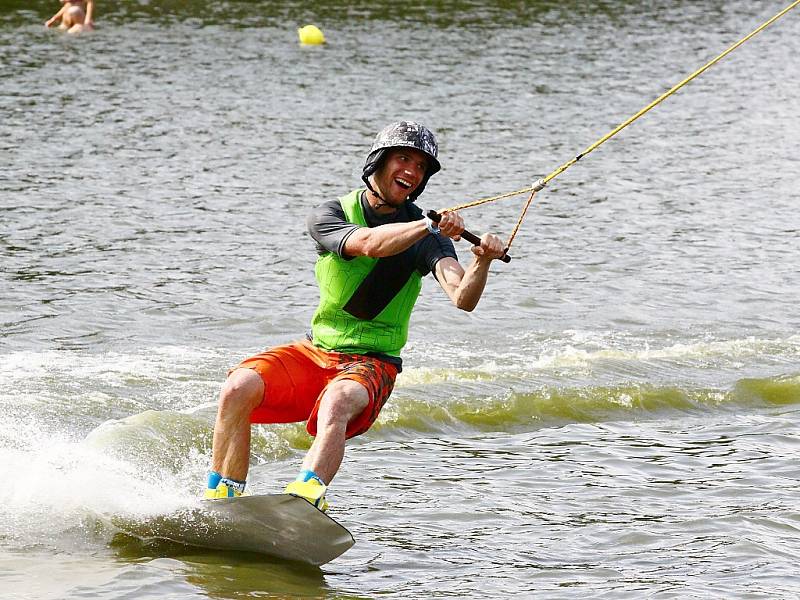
x: 542, y: 182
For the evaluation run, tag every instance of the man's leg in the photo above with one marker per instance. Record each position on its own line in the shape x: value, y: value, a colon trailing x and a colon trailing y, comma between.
x: 242, y: 393
x: 342, y: 401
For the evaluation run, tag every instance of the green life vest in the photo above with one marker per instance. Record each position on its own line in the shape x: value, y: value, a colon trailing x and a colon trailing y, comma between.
x: 365, y: 303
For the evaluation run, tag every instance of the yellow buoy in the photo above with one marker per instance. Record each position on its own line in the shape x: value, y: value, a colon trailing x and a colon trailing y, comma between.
x: 311, y: 35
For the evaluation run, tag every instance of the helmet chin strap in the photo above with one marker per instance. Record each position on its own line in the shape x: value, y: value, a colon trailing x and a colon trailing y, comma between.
x: 381, y: 201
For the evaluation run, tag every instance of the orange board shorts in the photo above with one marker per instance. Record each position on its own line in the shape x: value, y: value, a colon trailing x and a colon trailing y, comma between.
x: 296, y: 375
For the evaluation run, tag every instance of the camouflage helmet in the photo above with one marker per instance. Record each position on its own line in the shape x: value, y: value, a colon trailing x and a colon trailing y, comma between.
x: 402, y: 134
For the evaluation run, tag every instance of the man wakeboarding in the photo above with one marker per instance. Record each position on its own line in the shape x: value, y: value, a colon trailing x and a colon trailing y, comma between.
x: 374, y: 247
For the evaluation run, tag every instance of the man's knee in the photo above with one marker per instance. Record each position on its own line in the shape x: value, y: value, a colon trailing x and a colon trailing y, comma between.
x: 243, y: 391
x: 344, y: 400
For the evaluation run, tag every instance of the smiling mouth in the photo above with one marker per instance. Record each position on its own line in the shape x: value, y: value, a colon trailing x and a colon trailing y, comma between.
x: 403, y: 183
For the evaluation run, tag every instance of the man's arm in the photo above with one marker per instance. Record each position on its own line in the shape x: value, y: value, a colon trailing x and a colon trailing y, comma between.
x: 384, y: 240
x: 466, y: 287
x: 55, y: 17
x: 394, y: 238
x: 89, y: 19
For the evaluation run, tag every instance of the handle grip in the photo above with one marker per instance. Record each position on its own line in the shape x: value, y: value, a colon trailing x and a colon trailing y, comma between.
x: 467, y: 235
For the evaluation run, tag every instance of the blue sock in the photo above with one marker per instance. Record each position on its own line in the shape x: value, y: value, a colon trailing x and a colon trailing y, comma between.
x: 306, y: 475
x: 213, y: 480
x: 234, y: 484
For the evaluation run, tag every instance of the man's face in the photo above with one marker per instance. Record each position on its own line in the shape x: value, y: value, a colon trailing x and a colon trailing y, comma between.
x: 402, y: 171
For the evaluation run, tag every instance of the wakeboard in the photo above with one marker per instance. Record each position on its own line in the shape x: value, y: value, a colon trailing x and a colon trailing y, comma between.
x: 277, y: 525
